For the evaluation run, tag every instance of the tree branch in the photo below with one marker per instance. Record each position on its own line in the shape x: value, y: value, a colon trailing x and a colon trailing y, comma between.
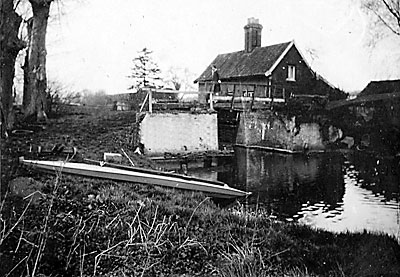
x: 387, y: 24
x: 396, y: 15
x: 374, y: 10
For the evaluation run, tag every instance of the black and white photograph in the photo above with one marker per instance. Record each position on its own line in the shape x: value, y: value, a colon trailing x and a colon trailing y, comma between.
x: 223, y: 138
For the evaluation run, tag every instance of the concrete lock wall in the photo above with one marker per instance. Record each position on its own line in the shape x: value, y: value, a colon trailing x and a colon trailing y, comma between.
x: 273, y: 131
x: 179, y: 132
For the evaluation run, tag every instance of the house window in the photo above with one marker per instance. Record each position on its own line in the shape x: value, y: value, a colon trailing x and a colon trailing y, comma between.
x: 231, y: 89
x: 291, y: 73
x: 248, y: 91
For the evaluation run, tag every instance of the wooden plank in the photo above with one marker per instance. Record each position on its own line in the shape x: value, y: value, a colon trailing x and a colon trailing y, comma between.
x: 166, y: 91
x: 237, y: 99
x: 267, y: 148
x: 144, y: 103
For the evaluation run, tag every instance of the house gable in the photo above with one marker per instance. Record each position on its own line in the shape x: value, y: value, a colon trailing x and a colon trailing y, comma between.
x: 303, y: 75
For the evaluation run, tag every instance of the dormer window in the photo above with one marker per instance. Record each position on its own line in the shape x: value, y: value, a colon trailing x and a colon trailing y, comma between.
x: 291, y: 76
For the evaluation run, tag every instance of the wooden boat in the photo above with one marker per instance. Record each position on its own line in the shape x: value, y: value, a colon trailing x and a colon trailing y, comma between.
x: 138, y: 175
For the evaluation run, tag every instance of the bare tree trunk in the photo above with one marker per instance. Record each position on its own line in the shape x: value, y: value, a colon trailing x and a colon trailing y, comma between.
x: 10, y: 45
x: 35, y: 100
x: 26, y: 96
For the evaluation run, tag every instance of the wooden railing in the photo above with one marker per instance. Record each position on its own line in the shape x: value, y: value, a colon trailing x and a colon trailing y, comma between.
x: 250, y: 93
x: 151, y: 97
x: 247, y: 89
x: 230, y: 93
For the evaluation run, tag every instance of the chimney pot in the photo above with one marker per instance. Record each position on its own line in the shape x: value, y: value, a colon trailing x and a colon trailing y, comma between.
x: 252, y: 20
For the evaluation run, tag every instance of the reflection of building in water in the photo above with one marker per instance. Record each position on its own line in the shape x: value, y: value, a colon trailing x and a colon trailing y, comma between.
x: 380, y: 174
x: 362, y: 207
x: 332, y: 191
x: 285, y: 182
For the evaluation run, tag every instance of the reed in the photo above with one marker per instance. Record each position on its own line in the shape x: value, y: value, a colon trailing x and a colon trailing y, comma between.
x: 88, y: 227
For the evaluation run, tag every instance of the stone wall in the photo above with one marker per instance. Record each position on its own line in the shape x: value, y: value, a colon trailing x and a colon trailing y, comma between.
x: 270, y: 130
x: 179, y: 132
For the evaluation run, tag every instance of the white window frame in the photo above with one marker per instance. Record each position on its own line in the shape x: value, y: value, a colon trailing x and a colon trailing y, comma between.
x: 291, y: 73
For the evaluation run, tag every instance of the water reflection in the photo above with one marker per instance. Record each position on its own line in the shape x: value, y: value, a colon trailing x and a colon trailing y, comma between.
x: 286, y: 184
x: 335, y: 191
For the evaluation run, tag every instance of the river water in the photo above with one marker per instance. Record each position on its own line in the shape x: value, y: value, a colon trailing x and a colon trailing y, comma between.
x: 334, y: 191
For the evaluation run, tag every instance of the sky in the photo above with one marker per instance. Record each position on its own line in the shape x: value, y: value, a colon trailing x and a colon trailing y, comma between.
x: 91, y: 43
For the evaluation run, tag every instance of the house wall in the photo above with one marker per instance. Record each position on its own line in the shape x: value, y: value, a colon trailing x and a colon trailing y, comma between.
x: 304, y: 84
x: 179, y: 132
x: 241, y: 86
x: 269, y: 130
x: 305, y: 79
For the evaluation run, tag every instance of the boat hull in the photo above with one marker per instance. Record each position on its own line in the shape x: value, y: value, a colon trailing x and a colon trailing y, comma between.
x: 173, y: 181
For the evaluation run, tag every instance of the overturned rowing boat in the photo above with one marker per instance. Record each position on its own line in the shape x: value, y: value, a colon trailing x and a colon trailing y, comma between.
x: 138, y: 175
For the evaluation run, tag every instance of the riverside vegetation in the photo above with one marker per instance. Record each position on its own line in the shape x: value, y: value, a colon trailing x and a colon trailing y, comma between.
x: 60, y: 225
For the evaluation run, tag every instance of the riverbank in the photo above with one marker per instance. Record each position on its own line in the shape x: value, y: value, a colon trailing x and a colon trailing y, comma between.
x: 61, y: 225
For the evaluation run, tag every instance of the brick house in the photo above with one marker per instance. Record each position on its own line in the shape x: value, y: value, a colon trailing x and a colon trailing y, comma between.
x: 277, y: 71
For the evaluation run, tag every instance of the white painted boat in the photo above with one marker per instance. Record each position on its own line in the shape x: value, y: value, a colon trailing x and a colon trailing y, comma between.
x: 141, y: 176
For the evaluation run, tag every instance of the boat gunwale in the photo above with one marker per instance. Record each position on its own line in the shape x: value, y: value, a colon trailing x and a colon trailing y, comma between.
x: 223, y: 191
x: 152, y: 171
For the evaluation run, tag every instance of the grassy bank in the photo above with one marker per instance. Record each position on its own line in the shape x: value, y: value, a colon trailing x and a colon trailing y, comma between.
x: 58, y: 225
x: 87, y: 227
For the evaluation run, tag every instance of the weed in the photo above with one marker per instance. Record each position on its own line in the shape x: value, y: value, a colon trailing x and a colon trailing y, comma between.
x: 84, y: 227
x: 246, y: 260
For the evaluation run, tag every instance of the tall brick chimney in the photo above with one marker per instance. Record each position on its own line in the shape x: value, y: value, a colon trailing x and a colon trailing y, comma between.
x: 252, y: 34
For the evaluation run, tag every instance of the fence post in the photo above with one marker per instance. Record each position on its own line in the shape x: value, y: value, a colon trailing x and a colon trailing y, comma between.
x: 211, y: 101
x: 269, y: 92
x: 150, y: 101
x: 233, y: 97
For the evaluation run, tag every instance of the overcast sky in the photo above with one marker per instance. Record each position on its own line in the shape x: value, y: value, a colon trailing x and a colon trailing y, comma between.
x: 92, y: 44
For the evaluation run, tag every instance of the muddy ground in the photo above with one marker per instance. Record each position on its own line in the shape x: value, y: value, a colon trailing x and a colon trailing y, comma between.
x: 92, y: 131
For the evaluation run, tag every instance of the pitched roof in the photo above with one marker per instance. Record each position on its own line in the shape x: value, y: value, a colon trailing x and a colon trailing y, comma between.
x: 241, y: 64
x: 380, y: 87
x: 361, y: 99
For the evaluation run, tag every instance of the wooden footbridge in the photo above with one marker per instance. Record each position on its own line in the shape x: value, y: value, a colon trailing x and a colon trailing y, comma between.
x: 241, y: 97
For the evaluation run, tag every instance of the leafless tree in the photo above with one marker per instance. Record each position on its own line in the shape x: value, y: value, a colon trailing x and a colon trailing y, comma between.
x: 173, y: 78
x: 180, y: 78
x: 35, y: 82
x: 10, y: 45
x: 35, y: 100
x: 58, y: 94
x: 385, y: 16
